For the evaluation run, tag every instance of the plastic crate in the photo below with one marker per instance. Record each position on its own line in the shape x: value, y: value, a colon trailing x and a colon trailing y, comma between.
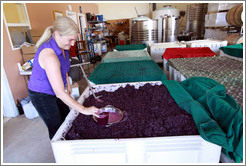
x: 158, y: 49
x: 214, y: 45
x: 152, y: 150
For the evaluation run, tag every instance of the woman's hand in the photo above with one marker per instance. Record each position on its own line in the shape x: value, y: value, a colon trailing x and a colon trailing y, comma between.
x: 90, y: 111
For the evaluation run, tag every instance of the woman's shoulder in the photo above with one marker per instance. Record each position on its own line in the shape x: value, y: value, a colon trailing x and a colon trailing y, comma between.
x: 51, y: 45
x: 48, y: 56
x: 48, y: 53
x: 48, y: 50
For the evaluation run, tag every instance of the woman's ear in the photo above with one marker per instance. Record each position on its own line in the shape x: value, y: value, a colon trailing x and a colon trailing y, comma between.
x: 56, y: 33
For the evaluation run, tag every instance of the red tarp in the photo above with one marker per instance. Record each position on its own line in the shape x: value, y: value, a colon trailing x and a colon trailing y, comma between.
x: 188, y: 52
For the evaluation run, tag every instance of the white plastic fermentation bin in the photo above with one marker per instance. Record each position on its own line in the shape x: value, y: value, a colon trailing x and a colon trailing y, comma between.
x: 158, y: 49
x: 232, y: 57
x: 175, y: 74
x: 214, y: 45
x: 152, y: 150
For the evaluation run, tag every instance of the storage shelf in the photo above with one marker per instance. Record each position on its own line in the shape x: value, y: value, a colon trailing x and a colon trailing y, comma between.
x: 29, y: 72
x: 96, y: 22
x: 96, y: 38
x: 96, y: 28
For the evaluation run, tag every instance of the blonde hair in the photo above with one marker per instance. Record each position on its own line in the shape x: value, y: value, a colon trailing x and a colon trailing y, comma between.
x: 65, y: 27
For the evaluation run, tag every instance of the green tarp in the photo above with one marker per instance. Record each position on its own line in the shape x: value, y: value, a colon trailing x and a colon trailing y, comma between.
x: 131, y: 71
x: 130, y: 47
x: 233, y: 50
x: 217, y: 115
x: 122, y: 56
x: 225, y: 70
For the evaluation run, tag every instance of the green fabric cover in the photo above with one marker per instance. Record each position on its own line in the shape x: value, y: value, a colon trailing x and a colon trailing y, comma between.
x: 130, y: 47
x: 217, y: 115
x: 233, y: 50
x: 131, y: 71
x: 121, y: 56
x: 224, y: 70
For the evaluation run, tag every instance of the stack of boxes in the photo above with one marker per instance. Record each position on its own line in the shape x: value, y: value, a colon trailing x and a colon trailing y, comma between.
x: 215, y: 20
x: 28, y: 52
x: 36, y: 34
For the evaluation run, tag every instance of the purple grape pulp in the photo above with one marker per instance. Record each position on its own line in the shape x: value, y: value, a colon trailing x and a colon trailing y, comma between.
x: 149, y: 111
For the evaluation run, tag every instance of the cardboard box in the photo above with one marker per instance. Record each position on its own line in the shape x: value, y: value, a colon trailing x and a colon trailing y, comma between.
x: 35, y: 39
x: 28, y: 52
x: 220, y: 6
x: 36, y: 34
x: 216, y: 20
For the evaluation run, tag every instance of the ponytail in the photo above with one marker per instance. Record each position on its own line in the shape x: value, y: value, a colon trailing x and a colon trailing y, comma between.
x: 65, y: 26
x: 46, y: 36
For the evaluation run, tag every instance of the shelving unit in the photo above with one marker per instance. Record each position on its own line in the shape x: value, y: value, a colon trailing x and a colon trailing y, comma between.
x: 95, y: 34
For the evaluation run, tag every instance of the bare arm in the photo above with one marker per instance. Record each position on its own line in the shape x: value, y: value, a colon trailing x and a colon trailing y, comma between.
x: 69, y: 87
x: 50, y: 63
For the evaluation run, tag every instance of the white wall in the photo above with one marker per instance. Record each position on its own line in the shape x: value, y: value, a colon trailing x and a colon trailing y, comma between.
x: 111, y: 11
x: 180, y: 6
x: 8, y: 103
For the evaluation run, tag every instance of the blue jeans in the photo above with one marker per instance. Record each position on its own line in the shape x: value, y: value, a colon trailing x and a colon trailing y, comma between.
x: 51, y: 110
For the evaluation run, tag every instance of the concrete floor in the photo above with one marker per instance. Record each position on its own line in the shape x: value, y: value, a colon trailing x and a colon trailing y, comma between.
x: 26, y: 141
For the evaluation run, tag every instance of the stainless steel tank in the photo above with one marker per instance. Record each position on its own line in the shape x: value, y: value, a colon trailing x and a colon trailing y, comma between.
x: 170, y: 28
x: 158, y: 14
x: 195, y: 19
x: 143, y: 30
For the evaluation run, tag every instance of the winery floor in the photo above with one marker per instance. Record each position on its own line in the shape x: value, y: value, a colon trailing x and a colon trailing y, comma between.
x: 26, y: 141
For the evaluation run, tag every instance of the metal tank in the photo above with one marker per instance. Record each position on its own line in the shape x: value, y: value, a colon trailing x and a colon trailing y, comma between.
x: 159, y: 14
x: 195, y: 19
x: 170, y: 28
x: 143, y: 30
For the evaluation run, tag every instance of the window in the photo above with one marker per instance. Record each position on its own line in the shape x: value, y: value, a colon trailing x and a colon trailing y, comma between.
x: 17, y: 22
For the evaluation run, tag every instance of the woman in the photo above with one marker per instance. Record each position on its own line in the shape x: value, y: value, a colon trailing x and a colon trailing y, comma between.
x: 49, y: 80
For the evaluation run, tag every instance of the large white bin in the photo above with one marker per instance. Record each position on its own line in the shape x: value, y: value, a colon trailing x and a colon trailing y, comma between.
x: 158, y: 49
x: 214, y: 45
x: 152, y: 150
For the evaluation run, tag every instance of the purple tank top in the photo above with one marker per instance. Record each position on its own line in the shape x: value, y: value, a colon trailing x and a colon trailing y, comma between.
x: 39, y: 81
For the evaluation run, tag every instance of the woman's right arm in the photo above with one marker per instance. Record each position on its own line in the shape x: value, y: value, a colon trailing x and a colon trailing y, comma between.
x: 50, y: 63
